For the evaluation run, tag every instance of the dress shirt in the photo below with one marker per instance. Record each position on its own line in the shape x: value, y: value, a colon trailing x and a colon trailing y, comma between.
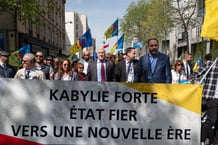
x: 99, y: 70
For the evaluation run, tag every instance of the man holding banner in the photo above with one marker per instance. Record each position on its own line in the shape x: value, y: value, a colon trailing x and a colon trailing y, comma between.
x: 210, y: 94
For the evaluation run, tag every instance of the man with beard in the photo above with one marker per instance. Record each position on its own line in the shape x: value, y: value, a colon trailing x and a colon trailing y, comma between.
x: 86, y: 60
x: 153, y: 67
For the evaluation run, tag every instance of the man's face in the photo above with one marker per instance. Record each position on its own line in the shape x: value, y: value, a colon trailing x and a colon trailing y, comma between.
x: 108, y: 57
x: 131, y: 54
x: 4, y: 59
x: 101, y: 54
x: 39, y: 57
x: 27, y: 64
x: 153, y: 47
x: 189, y: 58
x: 86, y: 56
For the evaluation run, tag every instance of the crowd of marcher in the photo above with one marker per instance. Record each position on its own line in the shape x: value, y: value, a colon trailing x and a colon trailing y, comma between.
x: 153, y: 67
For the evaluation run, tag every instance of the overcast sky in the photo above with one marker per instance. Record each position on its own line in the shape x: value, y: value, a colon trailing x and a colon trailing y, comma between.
x: 101, y: 14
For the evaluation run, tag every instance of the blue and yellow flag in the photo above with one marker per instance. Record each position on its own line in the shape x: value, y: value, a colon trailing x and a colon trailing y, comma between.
x: 197, y: 64
x: 118, y: 46
x: 15, y: 59
x: 210, y: 25
x: 84, y: 41
x: 112, y: 30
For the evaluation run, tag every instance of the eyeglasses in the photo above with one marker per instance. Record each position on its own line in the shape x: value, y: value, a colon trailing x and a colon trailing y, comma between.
x: 179, y: 64
x: 39, y: 56
x: 152, y: 45
x: 85, y: 55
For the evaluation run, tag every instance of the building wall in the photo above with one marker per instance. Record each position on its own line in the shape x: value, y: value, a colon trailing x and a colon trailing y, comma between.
x: 76, y: 25
x: 47, y: 35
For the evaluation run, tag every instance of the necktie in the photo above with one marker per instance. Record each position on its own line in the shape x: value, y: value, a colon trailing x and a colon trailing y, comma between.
x: 129, y: 67
x: 27, y: 76
x: 187, y: 71
x: 102, y: 72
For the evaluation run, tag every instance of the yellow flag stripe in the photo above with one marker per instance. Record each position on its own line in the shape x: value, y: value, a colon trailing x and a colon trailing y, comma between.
x: 182, y: 95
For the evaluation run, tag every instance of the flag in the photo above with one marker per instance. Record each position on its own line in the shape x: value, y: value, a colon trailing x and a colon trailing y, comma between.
x: 105, y: 46
x: 112, y: 30
x: 197, y: 64
x: 210, y: 25
x: 15, y: 59
x: 117, y: 46
x: 75, y: 48
x: 84, y: 41
x: 138, y: 44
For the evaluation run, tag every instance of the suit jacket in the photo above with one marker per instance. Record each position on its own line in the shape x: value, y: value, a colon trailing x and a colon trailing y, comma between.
x: 120, y: 73
x: 162, y: 71
x: 92, y: 71
x: 37, y: 75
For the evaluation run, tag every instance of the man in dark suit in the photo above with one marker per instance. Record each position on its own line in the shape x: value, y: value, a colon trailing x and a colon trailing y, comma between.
x: 125, y: 69
x: 188, y: 65
x: 6, y: 70
x: 154, y: 67
x: 100, y: 69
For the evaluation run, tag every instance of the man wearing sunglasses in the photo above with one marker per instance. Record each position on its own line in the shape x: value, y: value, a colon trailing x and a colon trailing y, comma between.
x: 153, y: 67
x: 29, y: 71
x: 48, y: 70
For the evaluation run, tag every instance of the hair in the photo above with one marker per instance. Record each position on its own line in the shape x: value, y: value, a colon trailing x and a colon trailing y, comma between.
x: 129, y: 49
x: 186, y: 54
x: 152, y: 39
x: 31, y: 57
x: 61, y: 70
x: 177, y: 62
x: 208, y: 56
x: 76, y: 67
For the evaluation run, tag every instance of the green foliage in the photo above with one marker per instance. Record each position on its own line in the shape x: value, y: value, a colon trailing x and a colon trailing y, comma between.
x: 214, y: 49
x: 28, y: 10
x: 147, y: 19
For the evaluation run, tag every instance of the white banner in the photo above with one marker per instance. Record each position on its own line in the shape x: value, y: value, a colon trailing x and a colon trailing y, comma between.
x: 92, y: 113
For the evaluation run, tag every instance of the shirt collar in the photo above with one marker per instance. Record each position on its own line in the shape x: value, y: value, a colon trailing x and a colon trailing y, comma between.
x: 149, y: 54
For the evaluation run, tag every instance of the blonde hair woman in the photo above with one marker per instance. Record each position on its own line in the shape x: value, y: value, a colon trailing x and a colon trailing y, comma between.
x: 178, y: 72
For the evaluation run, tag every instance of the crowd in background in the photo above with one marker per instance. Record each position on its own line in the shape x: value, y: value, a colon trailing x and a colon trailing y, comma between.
x: 153, y: 67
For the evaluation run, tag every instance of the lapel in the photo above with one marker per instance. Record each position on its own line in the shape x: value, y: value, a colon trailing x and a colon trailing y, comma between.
x: 158, y: 62
x: 147, y: 62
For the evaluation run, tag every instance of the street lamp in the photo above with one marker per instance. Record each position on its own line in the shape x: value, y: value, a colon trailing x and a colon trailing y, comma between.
x: 68, y: 22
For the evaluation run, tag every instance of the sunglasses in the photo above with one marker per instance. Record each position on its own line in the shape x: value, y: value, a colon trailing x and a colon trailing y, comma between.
x: 39, y: 56
x: 179, y: 64
x: 65, y: 64
x: 153, y: 45
x: 25, y: 61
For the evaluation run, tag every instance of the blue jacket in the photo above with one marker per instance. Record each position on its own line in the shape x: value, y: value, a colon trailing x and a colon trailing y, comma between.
x: 162, y: 71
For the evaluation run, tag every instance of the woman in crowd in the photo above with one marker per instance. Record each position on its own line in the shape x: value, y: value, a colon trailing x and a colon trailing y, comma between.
x: 64, y: 71
x: 178, y: 72
x: 79, y: 75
